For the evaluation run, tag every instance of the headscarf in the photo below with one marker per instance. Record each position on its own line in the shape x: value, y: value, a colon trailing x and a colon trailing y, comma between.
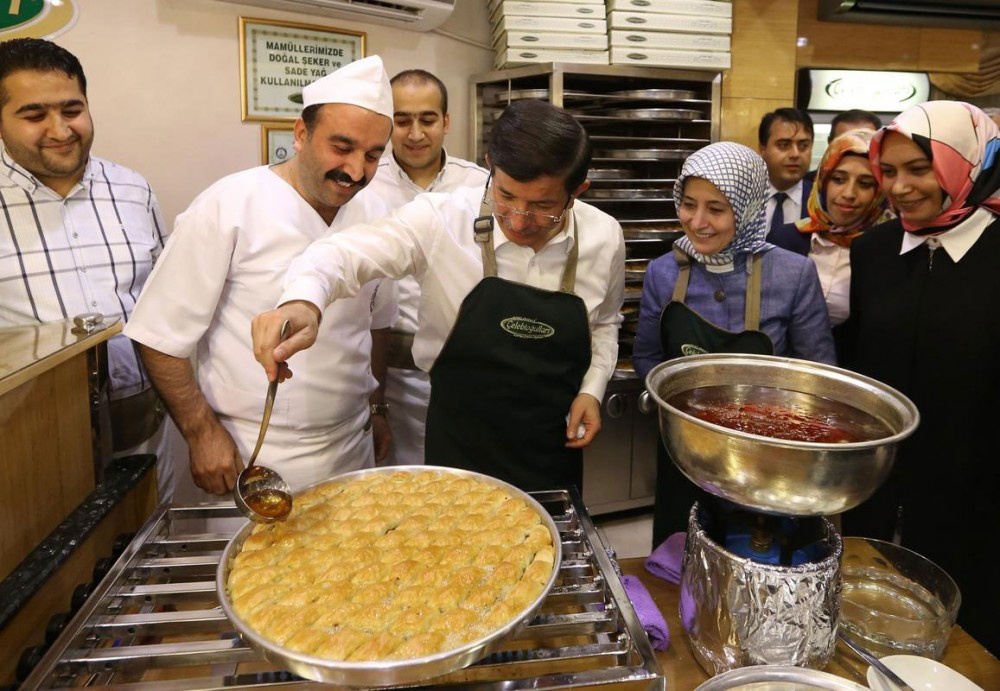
x: 962, y: 144
x: 853, y: 143
x: 741, y: 175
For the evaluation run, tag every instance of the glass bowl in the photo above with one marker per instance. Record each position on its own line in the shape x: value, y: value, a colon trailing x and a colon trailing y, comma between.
x: 895, y: 601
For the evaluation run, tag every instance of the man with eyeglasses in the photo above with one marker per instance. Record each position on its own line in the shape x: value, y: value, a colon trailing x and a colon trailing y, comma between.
x: 518, y: 328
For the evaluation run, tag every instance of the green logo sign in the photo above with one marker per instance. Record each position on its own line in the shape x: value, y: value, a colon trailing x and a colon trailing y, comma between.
x: 523, y: 327
x: 692, y: 349
x: 36, y: 18
x: 18, y: 12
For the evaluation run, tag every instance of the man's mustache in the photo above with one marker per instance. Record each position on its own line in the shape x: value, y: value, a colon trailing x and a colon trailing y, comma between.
x: 338, y: 175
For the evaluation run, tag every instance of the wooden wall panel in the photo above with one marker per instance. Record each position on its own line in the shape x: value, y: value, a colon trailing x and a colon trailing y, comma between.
x: 763, y: 50
x: 884, y: 47
x: 46, y: 462
x: 27, y: 628
x: 772, y: 38
x: 741, y: 117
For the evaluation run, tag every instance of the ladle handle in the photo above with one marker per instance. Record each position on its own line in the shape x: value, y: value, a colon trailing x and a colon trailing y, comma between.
x: 272, y: 389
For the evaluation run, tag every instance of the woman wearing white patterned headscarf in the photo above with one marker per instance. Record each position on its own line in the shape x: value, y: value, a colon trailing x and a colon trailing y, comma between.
x: 724, y: 289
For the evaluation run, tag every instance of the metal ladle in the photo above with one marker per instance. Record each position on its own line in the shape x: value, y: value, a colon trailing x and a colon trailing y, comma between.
x: 261, y: 494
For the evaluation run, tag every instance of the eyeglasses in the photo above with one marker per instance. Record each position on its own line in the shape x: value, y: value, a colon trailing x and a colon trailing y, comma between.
x: 506, y: 212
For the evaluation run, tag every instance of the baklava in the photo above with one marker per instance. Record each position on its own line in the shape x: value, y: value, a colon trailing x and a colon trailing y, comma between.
x: 392, y: 565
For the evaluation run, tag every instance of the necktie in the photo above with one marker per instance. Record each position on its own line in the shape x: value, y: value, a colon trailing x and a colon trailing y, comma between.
x: 778, y: 218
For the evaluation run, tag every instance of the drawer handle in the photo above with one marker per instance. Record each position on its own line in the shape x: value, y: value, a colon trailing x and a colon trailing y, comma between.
x: 646, y: 404
x: 616, y: 405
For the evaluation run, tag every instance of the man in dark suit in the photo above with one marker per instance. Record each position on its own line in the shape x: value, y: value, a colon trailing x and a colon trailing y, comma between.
x: 786, y: 140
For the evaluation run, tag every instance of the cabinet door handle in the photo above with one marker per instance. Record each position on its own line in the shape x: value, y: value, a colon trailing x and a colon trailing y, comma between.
x: 646, y: 405
x: 616, y: 405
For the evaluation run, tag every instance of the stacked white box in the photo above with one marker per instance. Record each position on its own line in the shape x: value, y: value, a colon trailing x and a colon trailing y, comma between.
x: 529, y: 31
x: 670, y: 33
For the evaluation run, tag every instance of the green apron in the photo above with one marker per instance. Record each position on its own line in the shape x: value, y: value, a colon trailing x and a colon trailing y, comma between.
x: 506, y: 377
x: 685, y: 332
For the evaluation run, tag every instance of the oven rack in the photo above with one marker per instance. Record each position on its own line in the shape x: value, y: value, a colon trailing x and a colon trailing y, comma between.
x: 154, y: 622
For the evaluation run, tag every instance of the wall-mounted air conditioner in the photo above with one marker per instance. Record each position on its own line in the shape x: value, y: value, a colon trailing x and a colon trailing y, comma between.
x: 953, y: 14
x: 415, y: 15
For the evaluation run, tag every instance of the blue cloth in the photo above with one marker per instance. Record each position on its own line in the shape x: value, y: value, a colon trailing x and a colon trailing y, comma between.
x: 667, y: 560
x: 792, y: 309
x: 648, y: 613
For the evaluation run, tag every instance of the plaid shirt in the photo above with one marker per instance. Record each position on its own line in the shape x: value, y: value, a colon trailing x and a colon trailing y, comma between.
x: 89, y: 252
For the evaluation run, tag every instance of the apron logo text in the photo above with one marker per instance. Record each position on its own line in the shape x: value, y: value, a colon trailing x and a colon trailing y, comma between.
x: 692, y: 349
x: 524, y: 327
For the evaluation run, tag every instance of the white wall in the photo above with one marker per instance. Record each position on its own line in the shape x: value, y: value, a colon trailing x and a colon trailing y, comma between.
x: 163, y: 82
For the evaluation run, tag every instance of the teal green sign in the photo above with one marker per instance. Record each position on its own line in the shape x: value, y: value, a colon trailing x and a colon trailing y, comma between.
x: 36, y: 18
x: 13, y: 13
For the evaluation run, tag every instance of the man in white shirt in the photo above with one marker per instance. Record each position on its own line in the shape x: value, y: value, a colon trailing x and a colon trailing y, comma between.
x: 418, y: 163
x: 786, y: 140
x: 520, y: 326
x: 224, y: 264
x: 78, y: 234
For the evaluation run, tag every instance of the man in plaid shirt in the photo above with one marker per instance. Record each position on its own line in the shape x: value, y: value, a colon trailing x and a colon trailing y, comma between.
x: 77, y: 233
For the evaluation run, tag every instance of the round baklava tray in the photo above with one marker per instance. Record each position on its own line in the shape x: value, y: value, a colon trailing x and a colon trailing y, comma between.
x: 390, y: 575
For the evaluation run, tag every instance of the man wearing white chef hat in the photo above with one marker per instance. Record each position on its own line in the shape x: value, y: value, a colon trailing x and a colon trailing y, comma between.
x: 521, y: 287
x: 224, y: 263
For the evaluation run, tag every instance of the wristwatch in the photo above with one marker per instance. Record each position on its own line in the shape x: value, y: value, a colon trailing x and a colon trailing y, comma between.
x: 379, y: 409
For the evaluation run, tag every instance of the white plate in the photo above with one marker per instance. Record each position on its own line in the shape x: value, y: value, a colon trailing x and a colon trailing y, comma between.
x: 922, y: 673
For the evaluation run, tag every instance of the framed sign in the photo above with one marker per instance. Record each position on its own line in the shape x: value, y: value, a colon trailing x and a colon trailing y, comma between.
x: 277, y: 59
x: 277, y: 142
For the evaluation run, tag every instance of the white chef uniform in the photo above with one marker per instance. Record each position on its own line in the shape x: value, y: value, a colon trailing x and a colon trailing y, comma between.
x: 431, y: 238
x: 222, y: 266
x: 408, y: 391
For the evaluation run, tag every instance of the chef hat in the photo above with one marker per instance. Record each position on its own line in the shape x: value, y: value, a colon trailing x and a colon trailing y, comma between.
x: 362, y: 83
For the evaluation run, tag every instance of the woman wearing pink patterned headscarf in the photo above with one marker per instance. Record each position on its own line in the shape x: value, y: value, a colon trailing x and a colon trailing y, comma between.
x: 925, y: 290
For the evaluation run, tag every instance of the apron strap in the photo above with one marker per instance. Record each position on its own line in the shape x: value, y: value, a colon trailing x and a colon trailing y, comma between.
x: 751, y: 314
x: 751, y: 317
x: 568, y: 281
x: 483, y: 228
x: 683, y: 274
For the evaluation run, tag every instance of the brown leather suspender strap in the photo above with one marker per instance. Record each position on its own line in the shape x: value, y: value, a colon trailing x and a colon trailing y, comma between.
x: 751, y: 315
x: 751, y: 318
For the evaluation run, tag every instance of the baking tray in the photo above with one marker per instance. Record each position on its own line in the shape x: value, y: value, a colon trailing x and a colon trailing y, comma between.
x: 693, y: 144
x: 387, y: 672
x: 654, y: 113
x: 644, y: 154
x: 636, y: 268
x: 638, y: 193
x: 503, y: 98
x: 651, y: 233
x: 609, y: 173
x: 655, y: 94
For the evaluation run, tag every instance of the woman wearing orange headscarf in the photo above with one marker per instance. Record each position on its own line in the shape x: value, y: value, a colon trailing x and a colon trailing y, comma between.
x: 845, y: 201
